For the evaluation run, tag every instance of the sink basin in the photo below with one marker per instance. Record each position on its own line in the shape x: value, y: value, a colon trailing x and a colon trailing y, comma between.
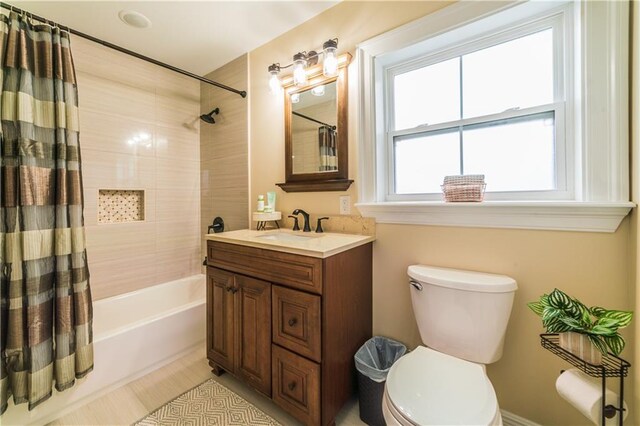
x: 286, y: 237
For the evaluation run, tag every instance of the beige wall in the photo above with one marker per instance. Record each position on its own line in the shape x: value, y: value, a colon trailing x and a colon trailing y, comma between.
x: 224, y: 178
x: 593, y: 267
x: 121, y: 97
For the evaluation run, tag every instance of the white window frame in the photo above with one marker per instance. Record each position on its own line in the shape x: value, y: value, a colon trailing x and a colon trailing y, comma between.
x: 595, y: 191
x: 563, y: 168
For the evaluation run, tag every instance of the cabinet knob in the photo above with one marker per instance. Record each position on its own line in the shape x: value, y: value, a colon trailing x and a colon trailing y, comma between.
x: 292, y: 386
x: 292, y: 322
x: 234, y: 290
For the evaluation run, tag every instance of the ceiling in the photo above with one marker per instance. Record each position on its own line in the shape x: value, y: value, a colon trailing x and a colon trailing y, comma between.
x: 197, y: 36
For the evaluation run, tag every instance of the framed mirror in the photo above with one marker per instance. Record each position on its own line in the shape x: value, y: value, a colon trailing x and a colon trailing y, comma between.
x: 316, y: 132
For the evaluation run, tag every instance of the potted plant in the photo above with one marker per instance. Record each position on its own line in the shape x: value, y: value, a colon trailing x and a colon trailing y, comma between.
x: 585, y: 332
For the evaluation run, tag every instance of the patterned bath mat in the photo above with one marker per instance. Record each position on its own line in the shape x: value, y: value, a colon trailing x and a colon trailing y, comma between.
x: 209, y: 403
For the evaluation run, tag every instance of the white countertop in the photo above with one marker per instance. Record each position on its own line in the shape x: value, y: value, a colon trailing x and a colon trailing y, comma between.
x: 309, y: 244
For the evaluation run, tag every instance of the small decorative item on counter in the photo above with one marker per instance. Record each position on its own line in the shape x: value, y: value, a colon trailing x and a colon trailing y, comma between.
x: 260, y: 203
x: 461, y: 188
x: 594, y: 326
x: 271, y: 202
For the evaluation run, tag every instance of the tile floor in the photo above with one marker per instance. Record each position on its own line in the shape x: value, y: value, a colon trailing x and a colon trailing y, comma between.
x: 135, y: 400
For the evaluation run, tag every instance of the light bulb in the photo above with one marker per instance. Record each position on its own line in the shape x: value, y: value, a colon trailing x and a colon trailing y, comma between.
x: 295, y: 98
x: 318, y: 90
x: 330, y: 64
x: 274, y: 81
x: 299, y: 71
x: 274, y: 84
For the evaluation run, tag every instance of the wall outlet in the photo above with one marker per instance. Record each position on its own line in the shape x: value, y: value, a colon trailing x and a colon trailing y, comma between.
x: 345, y: 204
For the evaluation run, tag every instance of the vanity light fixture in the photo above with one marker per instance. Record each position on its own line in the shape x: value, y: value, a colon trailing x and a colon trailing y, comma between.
x: 299, y: 69
x: 274, y: 81
x: 330, y: 64
x: 301, y: 63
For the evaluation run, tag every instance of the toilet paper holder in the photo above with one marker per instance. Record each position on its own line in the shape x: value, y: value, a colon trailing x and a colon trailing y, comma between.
x: 609, y: 410
x: 612, y: 366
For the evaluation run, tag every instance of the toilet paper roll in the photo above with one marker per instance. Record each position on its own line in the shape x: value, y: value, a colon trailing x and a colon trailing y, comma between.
x: 585, y: 394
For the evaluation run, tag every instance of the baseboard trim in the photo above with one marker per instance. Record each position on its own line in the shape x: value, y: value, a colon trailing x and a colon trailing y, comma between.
x: 510, y: 419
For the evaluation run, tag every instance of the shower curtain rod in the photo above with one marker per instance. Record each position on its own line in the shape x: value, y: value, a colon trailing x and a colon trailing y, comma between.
x: 9, y: 7
x: 312, y: 119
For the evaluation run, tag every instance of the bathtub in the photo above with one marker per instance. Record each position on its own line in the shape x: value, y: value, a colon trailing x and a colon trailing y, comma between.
x: 134, y: 334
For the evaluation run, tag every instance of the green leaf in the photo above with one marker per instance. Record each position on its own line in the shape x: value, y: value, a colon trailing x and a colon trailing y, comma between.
x: 597, y: 311
x: 574, y: 324
x: 603, y: 330
x: 536, y: 307
x: 559, y: 300
x: 623, y: 317
x: 573, y: 309
x: 599, y: 343
x: 549, y: 314
x: 585, y: 315
x: 615, y: 343
x: 544, y: 300
x: 558, y: 327
x: 607, y: 322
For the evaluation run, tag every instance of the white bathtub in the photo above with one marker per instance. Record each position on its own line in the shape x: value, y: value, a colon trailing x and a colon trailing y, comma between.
x: 134, y: 334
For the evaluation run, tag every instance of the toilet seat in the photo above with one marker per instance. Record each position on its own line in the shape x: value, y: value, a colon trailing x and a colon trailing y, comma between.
x: 426, y: 387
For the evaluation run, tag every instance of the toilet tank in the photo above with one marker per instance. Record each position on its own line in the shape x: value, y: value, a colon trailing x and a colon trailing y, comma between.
x: 462, y: 313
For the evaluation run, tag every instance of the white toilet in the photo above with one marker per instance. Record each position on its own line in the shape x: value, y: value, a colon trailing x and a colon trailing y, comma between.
x: 462, y: 317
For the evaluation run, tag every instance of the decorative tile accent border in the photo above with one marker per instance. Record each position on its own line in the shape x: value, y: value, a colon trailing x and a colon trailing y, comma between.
x: 339, y: 224
x: 120, y: 205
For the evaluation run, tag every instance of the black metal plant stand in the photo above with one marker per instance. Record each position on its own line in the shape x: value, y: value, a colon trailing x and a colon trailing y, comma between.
x: 262, y: 224
x: 612, y: 366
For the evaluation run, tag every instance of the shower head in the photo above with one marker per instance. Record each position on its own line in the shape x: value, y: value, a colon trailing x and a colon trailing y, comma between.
x: 208, y: 118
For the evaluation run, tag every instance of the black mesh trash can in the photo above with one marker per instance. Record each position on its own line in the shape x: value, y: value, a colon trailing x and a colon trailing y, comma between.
x: 373, y: 361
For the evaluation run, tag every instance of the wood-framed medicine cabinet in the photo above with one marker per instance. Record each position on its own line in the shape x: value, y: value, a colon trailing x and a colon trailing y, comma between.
x: 316, y: 132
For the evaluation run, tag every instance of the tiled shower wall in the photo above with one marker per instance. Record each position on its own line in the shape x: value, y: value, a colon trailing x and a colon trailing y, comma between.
x: 138, y: 131
x: 224, y: 149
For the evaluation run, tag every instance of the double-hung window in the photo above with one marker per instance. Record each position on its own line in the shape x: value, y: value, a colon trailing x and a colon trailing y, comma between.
x: 532, y: 95
x: 493, y: 106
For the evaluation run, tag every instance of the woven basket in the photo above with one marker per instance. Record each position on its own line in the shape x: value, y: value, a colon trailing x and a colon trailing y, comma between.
x: 463, y: 188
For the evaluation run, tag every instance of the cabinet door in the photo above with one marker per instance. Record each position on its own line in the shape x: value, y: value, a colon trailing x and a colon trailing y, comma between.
x: 296, y: 385
x: 220, y: 318
x: 253, y: 319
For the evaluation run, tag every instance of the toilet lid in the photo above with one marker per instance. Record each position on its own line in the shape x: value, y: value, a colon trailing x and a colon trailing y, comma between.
x: 432, y: 388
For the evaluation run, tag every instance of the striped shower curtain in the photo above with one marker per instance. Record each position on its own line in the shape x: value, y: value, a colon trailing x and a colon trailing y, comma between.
x: 46, y: 312
x: 327, y: 145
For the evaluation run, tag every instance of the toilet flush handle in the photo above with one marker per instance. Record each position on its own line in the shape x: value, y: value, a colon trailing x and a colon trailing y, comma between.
x: 416, y: 284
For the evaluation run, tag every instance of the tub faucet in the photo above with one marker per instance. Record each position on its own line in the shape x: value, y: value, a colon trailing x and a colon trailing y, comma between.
x: 304, y: 214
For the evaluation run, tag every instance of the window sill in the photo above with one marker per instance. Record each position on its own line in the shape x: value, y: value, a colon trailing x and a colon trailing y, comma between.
x: 548, y: 215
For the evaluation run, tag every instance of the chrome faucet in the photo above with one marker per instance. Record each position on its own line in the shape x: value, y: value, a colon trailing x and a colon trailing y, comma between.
x: 304, y: 214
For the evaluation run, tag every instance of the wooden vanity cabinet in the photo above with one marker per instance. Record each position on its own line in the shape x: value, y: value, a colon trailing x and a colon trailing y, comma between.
x: 317, y: 314
x: 238, y: 327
